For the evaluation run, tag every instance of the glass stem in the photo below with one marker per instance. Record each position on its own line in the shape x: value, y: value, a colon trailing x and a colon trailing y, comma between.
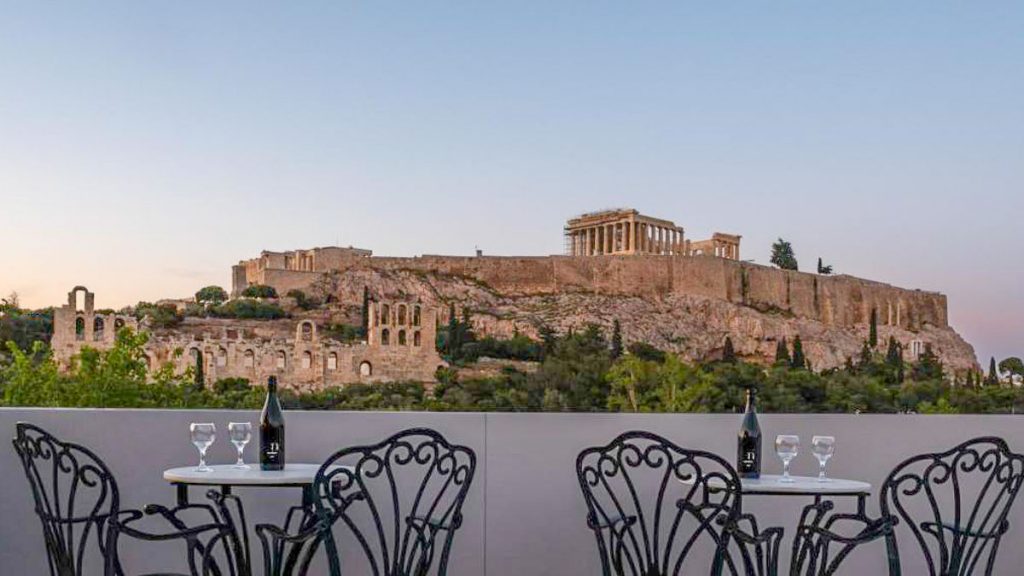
x: 202, y: 458
x: 821, y: 473
x: 240, y: 462
x: 785, y: 470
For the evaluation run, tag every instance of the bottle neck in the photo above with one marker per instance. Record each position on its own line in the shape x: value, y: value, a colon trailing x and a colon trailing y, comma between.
x: 750, y: 401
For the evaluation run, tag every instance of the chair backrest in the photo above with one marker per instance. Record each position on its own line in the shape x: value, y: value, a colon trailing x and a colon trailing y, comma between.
x: 955, y: 503
x: 400, y: 500
x: 75, y: 498
x: 651, y: 503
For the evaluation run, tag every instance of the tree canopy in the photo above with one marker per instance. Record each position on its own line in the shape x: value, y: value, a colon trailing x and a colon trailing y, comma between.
x: 783, y: 255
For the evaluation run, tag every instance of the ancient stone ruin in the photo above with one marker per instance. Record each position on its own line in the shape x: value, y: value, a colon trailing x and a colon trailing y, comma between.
x: 679, y: 295
x: 400, y: 345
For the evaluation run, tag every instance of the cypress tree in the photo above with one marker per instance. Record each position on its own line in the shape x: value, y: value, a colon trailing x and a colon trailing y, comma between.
x: 616, y: 339
x: 865, y: 354
x: 993, y: 374
x: 892, y: 355
x: 453, y: 344
x: 782, y: 351
x: 873, y: 333
x: 799, y: 361
x: 728, y: 352
x: 366, y: 310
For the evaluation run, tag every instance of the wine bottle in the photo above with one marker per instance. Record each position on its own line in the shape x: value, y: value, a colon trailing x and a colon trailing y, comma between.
x: 748, y: 458
x: 272, y: 430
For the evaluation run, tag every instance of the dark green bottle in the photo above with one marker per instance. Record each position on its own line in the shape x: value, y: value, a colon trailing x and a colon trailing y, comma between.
x: 748, y: 454
x: 272, y: 430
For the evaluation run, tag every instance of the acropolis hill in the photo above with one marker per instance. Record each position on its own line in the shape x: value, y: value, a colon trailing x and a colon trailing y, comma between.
x: 677, y: 294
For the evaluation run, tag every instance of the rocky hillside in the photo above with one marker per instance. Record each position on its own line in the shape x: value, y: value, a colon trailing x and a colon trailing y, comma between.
x: 692, y: 326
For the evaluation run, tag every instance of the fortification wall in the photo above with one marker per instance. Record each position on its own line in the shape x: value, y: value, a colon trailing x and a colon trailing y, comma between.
x: 833, y: 300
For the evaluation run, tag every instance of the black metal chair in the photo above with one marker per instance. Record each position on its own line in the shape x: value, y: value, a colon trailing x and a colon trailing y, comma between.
x: 955, y: 505
x: 650, y: 503
x: 77, y: 500
x: 399, y: 502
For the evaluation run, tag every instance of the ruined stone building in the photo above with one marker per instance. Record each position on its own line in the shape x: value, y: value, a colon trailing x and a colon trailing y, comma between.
x: 77, y: 324
x: 295, y: 269
x: 626, y: 231
x: 400, y: 345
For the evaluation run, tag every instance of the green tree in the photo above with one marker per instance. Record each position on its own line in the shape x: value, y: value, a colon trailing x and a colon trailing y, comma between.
x: 993, y: 373
x: 866, y: 358
x: 824, y: 270
x: 873, y: 329
x: 1012, y: 367
x: 728, y: 352
x: 211, y: 295
x: 259, y: 291
x: 782, y: 352
x: 799, y: 361
x: 783, y: 255
x: 616, y: 339
x: 646, y: 351
x: 928, y: 366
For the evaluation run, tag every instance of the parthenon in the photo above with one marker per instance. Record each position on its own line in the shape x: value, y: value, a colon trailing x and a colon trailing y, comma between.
x: 626, y: 231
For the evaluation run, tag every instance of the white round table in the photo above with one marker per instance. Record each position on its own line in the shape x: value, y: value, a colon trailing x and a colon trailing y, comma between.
x: 771, y: 484
x: 227, y: 476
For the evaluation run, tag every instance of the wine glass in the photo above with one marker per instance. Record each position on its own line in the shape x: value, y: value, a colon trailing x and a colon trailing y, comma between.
x: 787, y: 446
x: 203, y: 434
x: 823, y: 447
x: 240, y: 434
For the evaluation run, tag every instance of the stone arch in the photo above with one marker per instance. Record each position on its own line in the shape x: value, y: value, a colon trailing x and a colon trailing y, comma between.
x: 417, y: 338
x: 385, y: 314
x: 249, y: 359
x: 307, y: 360
x: 401, y: 338
x: 79, y: 328
x: 365, y: 368
x: 73, y: 299
x: 98, y: 324
x: 332, y: 361
x: 306, y: 329
x: 416, y: 315
x: 282, y: 359
x: 222, y: 356
x: 385, y: 337
x: 401, y: 314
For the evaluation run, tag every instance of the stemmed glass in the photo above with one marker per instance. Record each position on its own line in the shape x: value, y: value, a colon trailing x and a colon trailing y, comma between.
x: 203, y: 434
x: 240, y: 433
x: 823, y: 447
x: 787, y: 446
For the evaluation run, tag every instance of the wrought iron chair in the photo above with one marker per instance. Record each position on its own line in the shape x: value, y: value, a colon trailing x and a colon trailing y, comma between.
x: 955, y: 504
x: 77, y: 500
x: 650, y: 503
x: 399, y: 502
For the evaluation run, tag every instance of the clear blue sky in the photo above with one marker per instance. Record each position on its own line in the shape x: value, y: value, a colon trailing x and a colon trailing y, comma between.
x: 145, y: 147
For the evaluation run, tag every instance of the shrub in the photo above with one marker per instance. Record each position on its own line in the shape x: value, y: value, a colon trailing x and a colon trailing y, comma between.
x: 211, y: 295
x: 260, y: 291
x: 160, y: 315
x: 247, y: 309
x: 344, y: 332
x: 301, y: 300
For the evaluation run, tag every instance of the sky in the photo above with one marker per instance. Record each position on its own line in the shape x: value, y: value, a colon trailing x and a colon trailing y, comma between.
x: 146, y: 147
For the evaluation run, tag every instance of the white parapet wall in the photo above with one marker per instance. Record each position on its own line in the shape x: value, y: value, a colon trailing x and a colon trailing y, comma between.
x: 524, y: 514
